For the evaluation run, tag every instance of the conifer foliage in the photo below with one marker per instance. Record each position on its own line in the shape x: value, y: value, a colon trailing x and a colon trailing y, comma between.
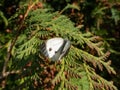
x: 31, y: 70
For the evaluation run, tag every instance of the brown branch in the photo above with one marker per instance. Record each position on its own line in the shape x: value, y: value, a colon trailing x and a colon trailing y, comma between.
x: 9, y: 72
x: 4, y: 71
x: 9, y: 54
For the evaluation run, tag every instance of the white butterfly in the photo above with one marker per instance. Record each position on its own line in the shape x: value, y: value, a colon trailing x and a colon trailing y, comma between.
x: 55, y: 48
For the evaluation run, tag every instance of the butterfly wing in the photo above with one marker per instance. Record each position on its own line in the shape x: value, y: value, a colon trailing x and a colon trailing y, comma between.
x: 51, y: 46
x: 65, y: 49
x: 43, y: 49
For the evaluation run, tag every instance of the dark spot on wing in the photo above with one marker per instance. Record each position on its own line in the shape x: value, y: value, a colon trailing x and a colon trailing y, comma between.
x: 50, y: 49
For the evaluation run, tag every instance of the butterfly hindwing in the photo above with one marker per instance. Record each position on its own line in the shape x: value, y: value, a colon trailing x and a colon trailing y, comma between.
x: 43, y: 49
x: 65, y: 48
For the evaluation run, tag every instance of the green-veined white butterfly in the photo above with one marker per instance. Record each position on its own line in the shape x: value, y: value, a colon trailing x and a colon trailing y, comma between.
x: 55, y: 48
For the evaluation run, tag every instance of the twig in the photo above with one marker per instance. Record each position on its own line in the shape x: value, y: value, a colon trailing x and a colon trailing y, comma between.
x: 4, y: 71
x: 10, y: 72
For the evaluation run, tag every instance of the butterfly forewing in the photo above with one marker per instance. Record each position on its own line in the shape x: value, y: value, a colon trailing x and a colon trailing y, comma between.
x: 53, y: 46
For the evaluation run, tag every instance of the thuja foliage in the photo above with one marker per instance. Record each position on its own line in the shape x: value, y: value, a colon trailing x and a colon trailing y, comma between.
x: 26, y: 68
